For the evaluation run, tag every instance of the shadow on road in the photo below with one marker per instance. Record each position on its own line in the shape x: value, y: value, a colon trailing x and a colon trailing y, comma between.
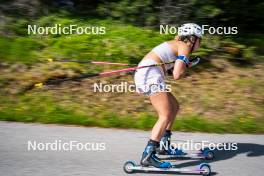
x: 252, y: 150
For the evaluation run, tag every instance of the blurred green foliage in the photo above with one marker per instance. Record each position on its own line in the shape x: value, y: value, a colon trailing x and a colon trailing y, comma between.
x: 135, y: 42
x: 19, y: 49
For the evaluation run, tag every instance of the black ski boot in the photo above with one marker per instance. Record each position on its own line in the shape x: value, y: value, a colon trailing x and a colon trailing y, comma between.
x: 165, y: 148
x: 149, y: 157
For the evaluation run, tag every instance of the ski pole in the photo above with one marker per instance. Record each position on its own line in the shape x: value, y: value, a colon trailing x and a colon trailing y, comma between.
x: 92, y: 62
x: 108, y: 73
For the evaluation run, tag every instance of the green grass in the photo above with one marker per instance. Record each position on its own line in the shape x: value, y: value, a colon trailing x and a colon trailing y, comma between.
x: 43, y: 109
x: 19, y: 49
x: 120, y: 43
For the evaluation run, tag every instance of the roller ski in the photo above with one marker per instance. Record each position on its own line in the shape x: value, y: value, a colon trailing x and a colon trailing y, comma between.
x: 131, y: 167
x: 205, y: 154
x: 166, y: 152
x: 151, y: 163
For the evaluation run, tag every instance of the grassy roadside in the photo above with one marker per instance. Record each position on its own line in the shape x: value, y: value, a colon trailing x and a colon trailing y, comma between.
x: 48, y: 112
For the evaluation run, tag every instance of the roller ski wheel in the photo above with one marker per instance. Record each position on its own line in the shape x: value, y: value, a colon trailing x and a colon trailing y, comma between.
x: 128, y: 167
x: 205, y: 169
x: 207, y: 154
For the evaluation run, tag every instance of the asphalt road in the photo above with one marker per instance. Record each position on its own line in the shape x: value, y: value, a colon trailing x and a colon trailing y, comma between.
x: 107, y: 150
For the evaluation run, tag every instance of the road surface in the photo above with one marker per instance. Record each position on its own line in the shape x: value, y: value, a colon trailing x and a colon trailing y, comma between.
x: 108, y: 149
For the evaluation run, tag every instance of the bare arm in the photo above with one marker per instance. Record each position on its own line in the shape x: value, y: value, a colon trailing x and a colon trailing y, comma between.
x: 180, y: 66
x: 179, y: 69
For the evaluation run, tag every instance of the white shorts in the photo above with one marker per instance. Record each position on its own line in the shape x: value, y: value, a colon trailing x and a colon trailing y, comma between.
x: 149, y: 80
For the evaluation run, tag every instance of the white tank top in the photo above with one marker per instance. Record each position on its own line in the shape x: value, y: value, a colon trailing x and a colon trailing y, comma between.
x: 165, y: 53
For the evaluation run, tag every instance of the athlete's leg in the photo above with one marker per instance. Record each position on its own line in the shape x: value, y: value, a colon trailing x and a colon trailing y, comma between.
x: 164, y: 106
x: 175, y: 105
x: 166, y: 138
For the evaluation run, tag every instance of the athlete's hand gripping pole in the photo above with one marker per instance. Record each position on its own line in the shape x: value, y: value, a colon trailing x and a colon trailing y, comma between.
x: 189, y: 63
x: 194, y: 61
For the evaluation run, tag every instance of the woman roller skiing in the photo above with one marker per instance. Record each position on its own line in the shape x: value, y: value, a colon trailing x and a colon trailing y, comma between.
x: 150, y: 82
